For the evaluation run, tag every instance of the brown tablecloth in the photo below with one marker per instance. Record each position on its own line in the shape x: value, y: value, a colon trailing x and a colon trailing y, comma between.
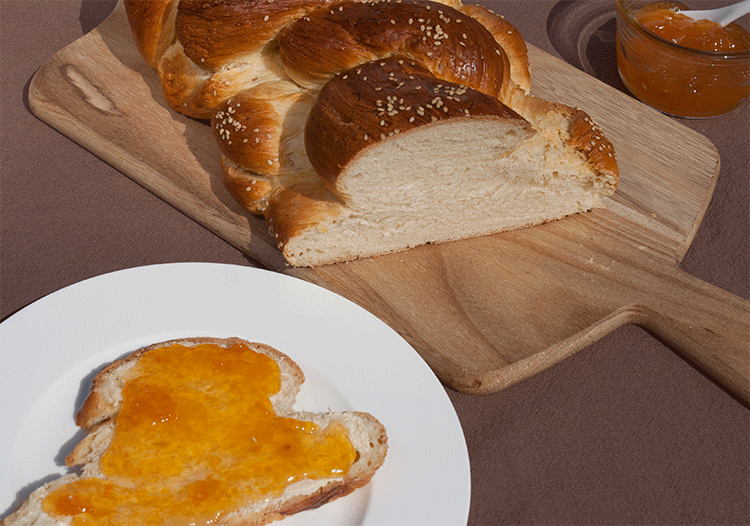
x: 624, y: 432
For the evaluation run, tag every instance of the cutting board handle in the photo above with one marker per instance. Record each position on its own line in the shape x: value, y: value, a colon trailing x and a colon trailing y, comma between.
x: 707, y: 325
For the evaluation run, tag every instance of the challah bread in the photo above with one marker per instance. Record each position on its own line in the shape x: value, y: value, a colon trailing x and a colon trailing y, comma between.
x: 398, y: 189
x: 360, y: 181
x: 99, y: 415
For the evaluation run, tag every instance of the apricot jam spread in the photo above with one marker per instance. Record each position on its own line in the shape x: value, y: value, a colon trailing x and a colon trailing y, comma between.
x: 196, y: 438
x: 681, y: 66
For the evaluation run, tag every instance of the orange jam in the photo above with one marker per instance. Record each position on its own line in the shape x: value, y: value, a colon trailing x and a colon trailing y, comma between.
x: 664, y: 19
x: 196, y: 438
x: 681, y: 66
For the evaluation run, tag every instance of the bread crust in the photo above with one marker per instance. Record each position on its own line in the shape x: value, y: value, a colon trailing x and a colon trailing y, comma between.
x: 255, y: 127
x: 509, y: 38
x: 217, y: 32
x: 98, y: 412
x: 453, y: 46
x: 152, y: 25
x: 251, y: 190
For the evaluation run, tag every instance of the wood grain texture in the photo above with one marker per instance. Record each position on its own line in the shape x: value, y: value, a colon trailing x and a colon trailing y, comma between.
x: 483, y: 313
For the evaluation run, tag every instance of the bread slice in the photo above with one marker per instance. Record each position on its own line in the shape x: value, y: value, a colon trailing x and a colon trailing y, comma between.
x: 99, y: 413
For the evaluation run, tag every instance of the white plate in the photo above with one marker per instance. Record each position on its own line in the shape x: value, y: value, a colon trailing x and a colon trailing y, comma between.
x: 50, y: 350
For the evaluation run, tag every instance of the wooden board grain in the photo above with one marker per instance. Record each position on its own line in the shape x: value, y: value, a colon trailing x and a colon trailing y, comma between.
x: 483, y: 313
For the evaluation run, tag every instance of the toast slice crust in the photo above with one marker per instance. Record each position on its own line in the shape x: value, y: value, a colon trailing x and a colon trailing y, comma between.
x: 347, y: 448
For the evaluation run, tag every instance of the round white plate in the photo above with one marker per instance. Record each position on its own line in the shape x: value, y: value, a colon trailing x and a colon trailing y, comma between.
x: 50, y: 351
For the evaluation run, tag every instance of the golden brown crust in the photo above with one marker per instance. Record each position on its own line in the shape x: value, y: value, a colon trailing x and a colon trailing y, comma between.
x: 294, y: 209
x: 252, y: 128
x: 216, y: 32
x: 197, y: 92
x: 152, y: 25
x: 378, y: 100
x: 454, y: 46
x: 588, y: 138
x: 181, y: 81
x: 249, y: 189
x: 509, y: 38
x: 248, y: 132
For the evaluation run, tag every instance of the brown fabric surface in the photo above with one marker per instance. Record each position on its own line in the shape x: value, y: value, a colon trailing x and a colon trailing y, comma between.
x: 624, y: 432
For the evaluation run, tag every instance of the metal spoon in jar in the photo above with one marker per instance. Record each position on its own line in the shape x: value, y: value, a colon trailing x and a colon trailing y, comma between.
x: 723, y: 15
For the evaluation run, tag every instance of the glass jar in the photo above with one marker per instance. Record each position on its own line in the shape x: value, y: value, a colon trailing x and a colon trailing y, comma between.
x: 677, y: 80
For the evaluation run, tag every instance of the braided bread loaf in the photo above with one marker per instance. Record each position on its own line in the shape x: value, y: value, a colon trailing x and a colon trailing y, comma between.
x: 360, y: 128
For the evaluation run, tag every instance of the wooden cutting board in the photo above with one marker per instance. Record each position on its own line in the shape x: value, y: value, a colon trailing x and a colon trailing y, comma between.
x: 483, y: 313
